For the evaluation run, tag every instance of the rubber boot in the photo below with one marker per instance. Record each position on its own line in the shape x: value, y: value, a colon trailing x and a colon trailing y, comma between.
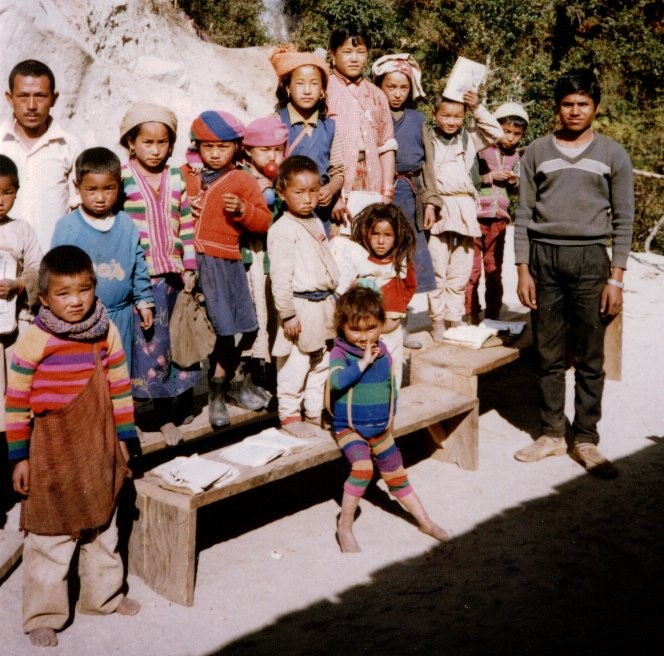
x: 408, y: 340
x: 219, y: 416
x: 239, y: 393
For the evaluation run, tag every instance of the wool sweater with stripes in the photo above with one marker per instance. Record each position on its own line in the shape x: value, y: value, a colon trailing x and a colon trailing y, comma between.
x: 47, y: 372
x: 575, y: 201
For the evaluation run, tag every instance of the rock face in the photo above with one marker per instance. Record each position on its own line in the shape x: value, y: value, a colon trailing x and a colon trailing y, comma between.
x: 107, y: 55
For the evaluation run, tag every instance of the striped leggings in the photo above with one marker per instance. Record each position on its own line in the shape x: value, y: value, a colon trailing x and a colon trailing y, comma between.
x: 361, y: 452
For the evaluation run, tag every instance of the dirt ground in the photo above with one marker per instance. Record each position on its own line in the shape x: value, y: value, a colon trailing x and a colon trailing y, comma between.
x: 546, y: 558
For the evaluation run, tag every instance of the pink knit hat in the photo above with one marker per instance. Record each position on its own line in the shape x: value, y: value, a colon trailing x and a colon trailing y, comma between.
x: 266, y: 131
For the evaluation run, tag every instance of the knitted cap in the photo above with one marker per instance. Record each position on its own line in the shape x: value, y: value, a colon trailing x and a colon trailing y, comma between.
x: 146, y: 113
x: 511, y: 109
x: 285, y: 59
x: 266, y: 131
x: 402, y: 63
x: 216, y: 126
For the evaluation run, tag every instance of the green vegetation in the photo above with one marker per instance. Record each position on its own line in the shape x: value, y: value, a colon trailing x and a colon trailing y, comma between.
x: 526, y: 44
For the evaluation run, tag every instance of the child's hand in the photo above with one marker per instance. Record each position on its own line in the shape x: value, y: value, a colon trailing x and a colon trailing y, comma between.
x: 340, y: 213
x: 233, y: 204
x: 429, y: 217
x: 371, y: 352
x: 147, y: 316
x: 471, y: 99
x: 21, y: 477
x: 292, y: 328
x: 325, y: 196
x: 196, y: 204
x: 124, y: 449
x: 8, y: 288
x: 501, y: 176
x: 189, y: 281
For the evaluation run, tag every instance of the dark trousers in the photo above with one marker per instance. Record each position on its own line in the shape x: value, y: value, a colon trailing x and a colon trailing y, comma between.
x: 569, y: 282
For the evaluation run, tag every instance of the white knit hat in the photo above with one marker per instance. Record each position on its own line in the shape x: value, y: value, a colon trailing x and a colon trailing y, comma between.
x: 511, y: 109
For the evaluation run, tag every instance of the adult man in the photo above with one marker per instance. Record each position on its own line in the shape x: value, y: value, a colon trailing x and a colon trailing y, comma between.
x: 43, y: 152
x: 576, y: 192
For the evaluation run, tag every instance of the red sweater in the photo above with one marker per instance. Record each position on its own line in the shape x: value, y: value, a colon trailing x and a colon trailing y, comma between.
x: 217, y: 232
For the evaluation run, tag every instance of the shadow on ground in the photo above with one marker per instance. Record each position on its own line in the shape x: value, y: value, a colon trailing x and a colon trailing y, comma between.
x: 578, y: 572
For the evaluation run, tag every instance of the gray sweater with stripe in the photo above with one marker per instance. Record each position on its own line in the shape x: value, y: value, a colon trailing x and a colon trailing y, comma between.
x: 575, y: 201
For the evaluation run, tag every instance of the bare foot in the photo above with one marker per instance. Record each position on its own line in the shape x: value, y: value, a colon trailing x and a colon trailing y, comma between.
x: 346, y: 539
x: 43, y: 637
x: 128, y: 607
x: 171, y: 433
x: 436, y: 531
x: 300, y: 429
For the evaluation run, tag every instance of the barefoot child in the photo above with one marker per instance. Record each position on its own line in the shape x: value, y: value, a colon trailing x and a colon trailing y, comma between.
x: 362, y: 400
x: 303, y: 277
x: 229, y: 203
x: 453, y: 235
x: 386, y: 234
x: 111, y: 240
x: 156, y: 199
x: 69, y: 373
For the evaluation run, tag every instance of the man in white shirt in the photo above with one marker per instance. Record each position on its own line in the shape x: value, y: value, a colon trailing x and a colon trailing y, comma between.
x: 43, y: 152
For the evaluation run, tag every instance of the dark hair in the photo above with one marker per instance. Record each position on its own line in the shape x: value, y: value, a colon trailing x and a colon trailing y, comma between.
x: 578, y: 80
x: 516, y: 121
x: 410, y: 103
x: 97, y: 160
x: 31, y: 68
x: 131, y: 135
x: 404, y: 235
x: 8, y: 168
x: 291, y: 166
x: 64, y: 261
x: 356, y: 33
x: 439, y: 100
x: 357, y: 305
x: 283, y: 96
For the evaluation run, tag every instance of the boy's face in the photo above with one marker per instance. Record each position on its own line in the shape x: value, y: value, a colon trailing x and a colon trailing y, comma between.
x: 70, y: 297
x: 511, y: 135
x: 301, y: 193
x: 261, y: 156
x: 217, y: 155
x: 449, y: 117
x: 363, y: 333
x: 7, y: 195
x: 577, y: 112
x: 99, y: 193
x: 31, y: 100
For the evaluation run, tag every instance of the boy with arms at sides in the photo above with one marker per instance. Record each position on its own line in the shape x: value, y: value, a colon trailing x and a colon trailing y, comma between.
x: 576, y: 192
x: 43, y: 152
x: 69, y: 371
x: 303, y: 277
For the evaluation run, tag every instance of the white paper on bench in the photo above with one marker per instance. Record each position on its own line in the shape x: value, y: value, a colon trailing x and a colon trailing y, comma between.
x: 259, y: 449
x: 470, y: 336
x: 195, y: 473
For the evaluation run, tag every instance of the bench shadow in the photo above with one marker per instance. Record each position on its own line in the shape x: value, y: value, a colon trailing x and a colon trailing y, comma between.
x: 580, y: 571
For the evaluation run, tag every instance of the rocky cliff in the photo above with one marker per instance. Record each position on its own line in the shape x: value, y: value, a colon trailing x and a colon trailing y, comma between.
x: 107, y: 55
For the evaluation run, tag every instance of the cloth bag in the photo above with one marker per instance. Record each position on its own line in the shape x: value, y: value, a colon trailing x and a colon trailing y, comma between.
x: 192, y: 335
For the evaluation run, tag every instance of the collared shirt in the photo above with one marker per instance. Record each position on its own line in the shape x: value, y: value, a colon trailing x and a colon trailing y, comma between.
x: 45, y: 171
x: 296, y: 118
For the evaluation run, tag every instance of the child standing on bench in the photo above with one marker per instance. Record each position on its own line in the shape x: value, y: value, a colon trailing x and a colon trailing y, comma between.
x: 69, y: 411
x: 361, y: 396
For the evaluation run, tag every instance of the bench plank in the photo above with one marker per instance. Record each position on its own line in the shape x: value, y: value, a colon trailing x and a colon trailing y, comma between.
x: 11, y: 548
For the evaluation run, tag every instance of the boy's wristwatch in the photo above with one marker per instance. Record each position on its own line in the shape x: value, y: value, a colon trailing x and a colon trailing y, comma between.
x: 615, y: 283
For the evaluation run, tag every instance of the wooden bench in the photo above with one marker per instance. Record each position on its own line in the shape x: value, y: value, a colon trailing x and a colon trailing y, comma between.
x: 11, y: 548
x: 162, y: 547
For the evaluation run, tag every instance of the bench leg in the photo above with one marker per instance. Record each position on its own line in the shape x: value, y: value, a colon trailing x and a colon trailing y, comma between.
x: 162, y: 548
x: 457, y: 439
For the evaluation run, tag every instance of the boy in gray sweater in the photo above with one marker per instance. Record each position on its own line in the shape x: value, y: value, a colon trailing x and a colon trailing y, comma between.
x: 576, y: 193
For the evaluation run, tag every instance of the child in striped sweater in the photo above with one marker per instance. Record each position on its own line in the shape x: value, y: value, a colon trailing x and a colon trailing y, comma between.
x: 69, y: 412
x: 361, y: 396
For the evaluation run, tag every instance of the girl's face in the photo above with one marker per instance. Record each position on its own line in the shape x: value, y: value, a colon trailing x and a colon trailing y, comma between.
x: 261, y: 156
x: 217, y: 155
x: 152, y: 146
x: 381, y: 239
x: 350, y: 59
x: 396, y: 87
x: 306, y: 87
x: 363, y: 332
x: 449, y: 117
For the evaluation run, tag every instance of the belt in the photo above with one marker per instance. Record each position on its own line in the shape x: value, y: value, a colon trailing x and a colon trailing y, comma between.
x: 314, y: 296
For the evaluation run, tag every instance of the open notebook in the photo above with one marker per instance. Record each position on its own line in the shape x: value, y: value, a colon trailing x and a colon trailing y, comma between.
x: 257, y: 450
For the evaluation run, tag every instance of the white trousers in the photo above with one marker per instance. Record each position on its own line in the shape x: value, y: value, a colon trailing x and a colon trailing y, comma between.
x: 301, y: 381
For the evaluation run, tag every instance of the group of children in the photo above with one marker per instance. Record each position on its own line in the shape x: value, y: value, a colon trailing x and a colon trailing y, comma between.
x: 308, y: 233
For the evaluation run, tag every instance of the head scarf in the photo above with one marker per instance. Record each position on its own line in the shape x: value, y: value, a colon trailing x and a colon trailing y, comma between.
x: 401, y: 63
x: 266, y: 131
x: 285, y: 59
x: 216, y: 126
x: 146, y: 113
